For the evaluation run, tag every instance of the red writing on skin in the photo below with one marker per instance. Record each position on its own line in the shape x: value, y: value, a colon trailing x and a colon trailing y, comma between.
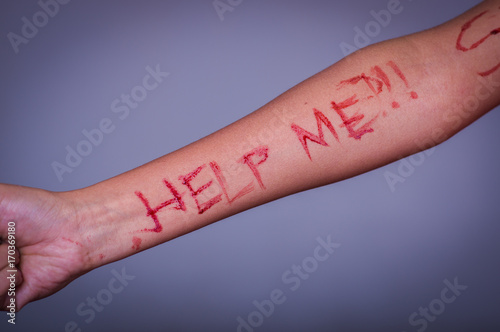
x: 355, y: 123
x: 465, y: 28
x: 370, y: 81
x: 305, y: 135
x: 381, y: 75
x: 376, y: 85
x: 398, y: 72
x: 152, y: 212
x: 378, y: 80
x: 351, y: 122
x: 261, y: 153
x: 186, y: 180
x: 136, y: 243
x: 223, y: 184
x: 252, y: 159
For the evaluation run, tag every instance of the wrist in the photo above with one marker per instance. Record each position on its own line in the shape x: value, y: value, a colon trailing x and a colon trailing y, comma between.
x: 101, y: 225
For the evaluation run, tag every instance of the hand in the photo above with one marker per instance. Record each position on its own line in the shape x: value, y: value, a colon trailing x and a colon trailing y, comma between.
x: 50, y: 252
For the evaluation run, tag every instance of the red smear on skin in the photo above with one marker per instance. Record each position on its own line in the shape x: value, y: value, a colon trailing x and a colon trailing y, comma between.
x: 151, y: 212
x: 74, y: 242
x: 414, y: 95
x: 395, y: 104
x: 186, y: 180
x: 223, y: 183
x: 101, y: 257
x: 137, y: 243
x: 305, y: 135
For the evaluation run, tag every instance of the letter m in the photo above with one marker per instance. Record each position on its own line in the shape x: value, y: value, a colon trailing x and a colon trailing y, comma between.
x: 304, y: 135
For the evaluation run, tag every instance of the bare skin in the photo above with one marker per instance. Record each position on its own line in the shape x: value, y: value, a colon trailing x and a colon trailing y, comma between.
x: 380, y: 104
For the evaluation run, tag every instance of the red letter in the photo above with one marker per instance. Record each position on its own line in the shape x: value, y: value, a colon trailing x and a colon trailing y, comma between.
x: 462, y: 48
x: 398, y: 72
x: 466, y: 27
x: 222, y: 181
x: 368, y: 80
x: 320, y: 138
x: 247, y: 159
x: 152, y: 212
x: 382, y: 76
x: 204, y: 206
x: 353, y: 120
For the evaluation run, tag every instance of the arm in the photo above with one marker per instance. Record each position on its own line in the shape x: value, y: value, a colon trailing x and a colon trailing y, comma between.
x: 377, y: 105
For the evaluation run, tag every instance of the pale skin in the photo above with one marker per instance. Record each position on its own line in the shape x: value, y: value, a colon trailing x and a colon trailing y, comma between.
x: 376, y: 106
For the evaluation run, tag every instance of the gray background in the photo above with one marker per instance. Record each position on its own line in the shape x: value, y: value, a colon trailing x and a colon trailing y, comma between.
x: 396, y: 247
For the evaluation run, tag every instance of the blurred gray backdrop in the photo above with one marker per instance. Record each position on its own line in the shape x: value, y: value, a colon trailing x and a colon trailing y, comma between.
x: 63, y: 66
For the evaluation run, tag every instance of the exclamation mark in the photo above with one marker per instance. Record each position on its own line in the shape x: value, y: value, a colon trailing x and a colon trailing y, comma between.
x: 398, y: 72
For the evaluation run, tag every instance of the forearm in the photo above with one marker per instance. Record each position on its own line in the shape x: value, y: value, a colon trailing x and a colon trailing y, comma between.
x: 376, y: 106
